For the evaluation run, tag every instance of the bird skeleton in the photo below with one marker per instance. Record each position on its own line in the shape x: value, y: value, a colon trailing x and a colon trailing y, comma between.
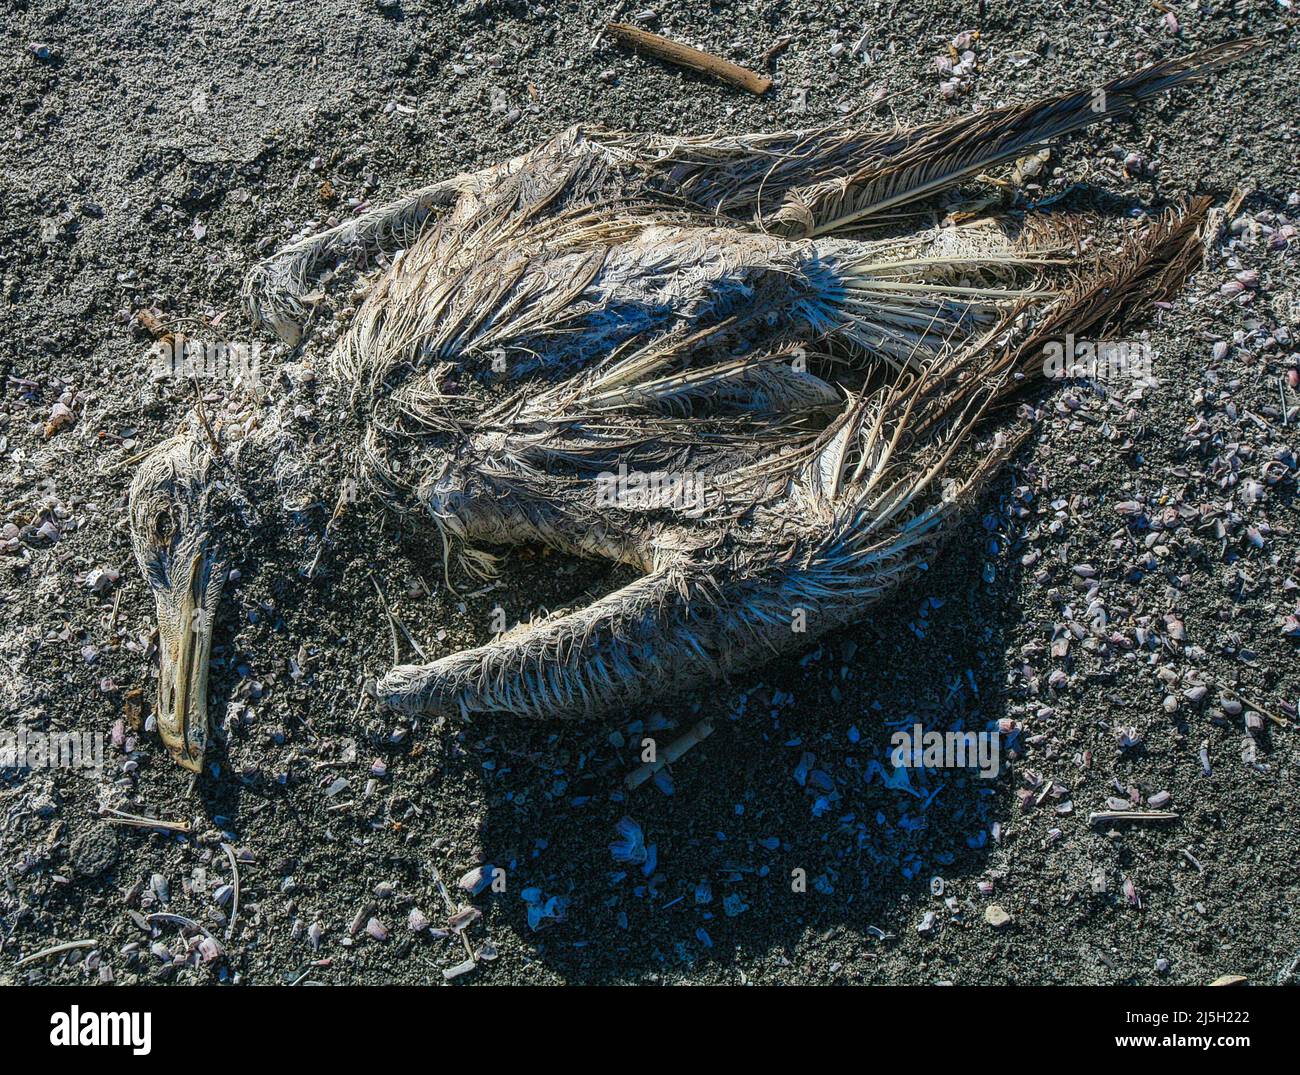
x: 726, y: 362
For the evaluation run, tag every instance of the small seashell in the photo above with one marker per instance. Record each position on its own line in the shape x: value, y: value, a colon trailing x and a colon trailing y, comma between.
x: 1128, y: 737
x: 417, y: 920
x: 359, y: 919
x: 477, y: 879
x: 60, y: 418
x: 630, y: 846
x: 464, y: 917
x: 102, y: 579
x: 377, y: 929
x: 996, y: 916
x: 209, y: 949
x: 160, y: 888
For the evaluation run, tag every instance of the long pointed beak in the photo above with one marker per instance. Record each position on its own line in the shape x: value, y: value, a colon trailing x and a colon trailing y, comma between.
x: 185, y: 647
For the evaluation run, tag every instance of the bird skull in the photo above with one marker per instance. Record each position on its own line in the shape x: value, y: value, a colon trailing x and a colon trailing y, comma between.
x: 175, y: 546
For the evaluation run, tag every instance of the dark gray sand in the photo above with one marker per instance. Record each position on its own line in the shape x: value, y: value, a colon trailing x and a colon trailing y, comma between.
x: 150, y: 152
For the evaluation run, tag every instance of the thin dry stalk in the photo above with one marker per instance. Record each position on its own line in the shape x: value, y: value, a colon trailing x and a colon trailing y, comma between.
x: 1131, y: 815
x: 234, y: 871
x: 117, y: 817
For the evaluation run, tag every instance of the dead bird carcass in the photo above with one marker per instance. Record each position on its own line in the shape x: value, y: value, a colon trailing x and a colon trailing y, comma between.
x: 721, y: 361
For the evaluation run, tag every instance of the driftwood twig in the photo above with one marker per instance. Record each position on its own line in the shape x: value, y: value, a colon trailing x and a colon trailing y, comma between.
x: 684, y: 56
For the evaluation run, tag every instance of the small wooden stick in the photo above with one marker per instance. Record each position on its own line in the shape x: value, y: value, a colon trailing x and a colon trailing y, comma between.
x: 773, y: 51
x: 684, y: 56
